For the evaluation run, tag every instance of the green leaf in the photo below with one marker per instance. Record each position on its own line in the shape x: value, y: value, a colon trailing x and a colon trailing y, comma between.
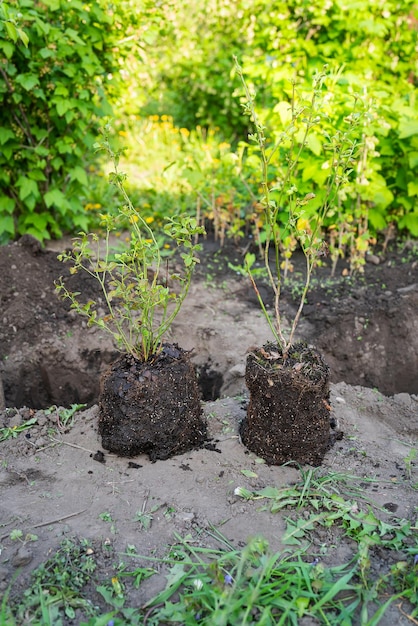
x: 54, y: 5
x: 36, y: 225
x: 175, y: 578
x: 413, y: 159
x: 413, y: 188
x: 249, y: 473
x: 72, y: 34
x: 7, y: 205
x: 27, y: 186
x: 298, y: 529
x: 378, y: 193
x: 45, y: 53
x: 250, y: 259
x: 57, y: 163
x: 63, y: 146
x: 338, y: 587
x: 16, y: 534
x: 70, y: 71
x: 30, y: 202
x: 268, y: 492
x: 410, y: 222
x: 11, y: 31
x: 79, y: 173
x: 62, y: 106
x: 61, y: 90
x: 383, y: 197
x: 55, y: 197
x: 314, y: 144
x: 23, y: 37
x: 39, y: 93
x: 312, y: 170
x: 302, y: 604
x: 8, y: 151
x: 8, y: 49
x: 376, y: 219
x: 28, y: 81
x: 37, y: 175
x: 5, y: 135
x: 43, y: 152
x: 7, y: 225
x: 407, y: 128
x: 80, y: 220
x: 285, y: 112
x: 90, y: 68
x: 69, y: 116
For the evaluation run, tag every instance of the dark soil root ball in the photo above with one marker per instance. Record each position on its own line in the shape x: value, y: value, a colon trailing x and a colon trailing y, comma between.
x: 288, y: 418
x: 151, y: 407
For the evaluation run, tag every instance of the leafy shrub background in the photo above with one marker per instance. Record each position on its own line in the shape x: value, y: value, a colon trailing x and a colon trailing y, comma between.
x: 53, y: 91
x: 164, y: 71
x: 370, y: 47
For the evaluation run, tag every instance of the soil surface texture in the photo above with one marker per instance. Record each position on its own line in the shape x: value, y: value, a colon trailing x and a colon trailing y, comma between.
x: 288, y: 416
x: 152, y: 407
x: 366, y: 327
x: 57, y: 481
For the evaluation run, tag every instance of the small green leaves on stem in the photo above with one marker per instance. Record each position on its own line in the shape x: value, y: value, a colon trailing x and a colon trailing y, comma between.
x: 288, y: 214
x: 10, y: 432
x: 141, y: 298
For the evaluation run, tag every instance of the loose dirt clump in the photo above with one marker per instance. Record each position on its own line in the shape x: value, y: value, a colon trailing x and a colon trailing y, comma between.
x: 151, y: 407
x: 288, y: 416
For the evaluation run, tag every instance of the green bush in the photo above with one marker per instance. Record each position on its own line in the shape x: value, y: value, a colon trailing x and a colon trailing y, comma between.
x: 369, y: 47
x: 60, y: 65
x: 66, y: 64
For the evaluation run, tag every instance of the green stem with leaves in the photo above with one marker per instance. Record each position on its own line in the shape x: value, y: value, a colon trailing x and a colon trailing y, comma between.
x: 344, y: 151
x: 141, y: 304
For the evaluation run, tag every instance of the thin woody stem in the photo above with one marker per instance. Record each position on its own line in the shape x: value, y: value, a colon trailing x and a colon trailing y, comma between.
x: 263, y: 308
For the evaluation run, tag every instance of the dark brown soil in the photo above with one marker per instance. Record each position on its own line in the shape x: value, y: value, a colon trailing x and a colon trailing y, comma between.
x: 47, y: 357
x: 288, y: 416
x: 151, y: 407
x: 365, y: 326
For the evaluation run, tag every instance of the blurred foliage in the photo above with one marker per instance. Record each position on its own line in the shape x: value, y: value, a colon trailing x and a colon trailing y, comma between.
x: 370, y: 49
x: 61, y: 69
x: 164, y: 71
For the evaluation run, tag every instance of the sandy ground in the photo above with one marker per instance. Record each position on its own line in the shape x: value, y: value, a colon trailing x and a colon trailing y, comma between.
x: 54, y: 483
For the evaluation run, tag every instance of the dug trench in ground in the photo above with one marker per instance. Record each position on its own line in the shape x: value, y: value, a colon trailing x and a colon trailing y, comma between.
x: 367, y: 328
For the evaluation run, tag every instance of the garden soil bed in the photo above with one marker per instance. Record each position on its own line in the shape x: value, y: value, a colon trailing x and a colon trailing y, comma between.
x: 57, y: 481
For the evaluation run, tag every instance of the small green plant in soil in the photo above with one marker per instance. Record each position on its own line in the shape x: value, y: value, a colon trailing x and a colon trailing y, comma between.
x: 17, y: 535
x: 141, y: 296
x: 145, y: 517
x: 410, y: 461
x: 287, y: 213
x: 55, y: 590
x: 10, y: 432
x: 65, y: 416
x: 253, y: 586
